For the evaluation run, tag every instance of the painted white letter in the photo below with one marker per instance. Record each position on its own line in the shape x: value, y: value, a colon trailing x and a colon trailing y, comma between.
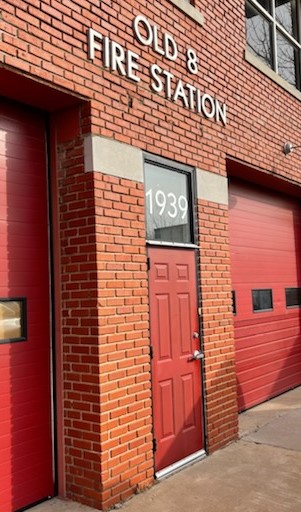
x: 132, y: 65
x: 208, y: 112
x: 106, y: 52
x: 221, y: 112
x: 117, y: 58
x: 92, y: 44
x: 191, y: 95
x: 170, y: 47
x: 180, y: 93
x: 147, y: 41
x: 156, y: 46
x: 169, y: 77
x: 157, y: 85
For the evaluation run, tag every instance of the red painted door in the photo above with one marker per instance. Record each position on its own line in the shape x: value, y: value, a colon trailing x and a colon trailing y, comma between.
x: 26, y: 474
x: 265, y: 236
x: 176, y: 375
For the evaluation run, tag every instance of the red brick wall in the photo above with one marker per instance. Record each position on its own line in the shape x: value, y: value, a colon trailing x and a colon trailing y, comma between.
x: 79, y: 319
x: 105, y: 333
x: 126, y: 415
x: 48, y: 40
x: 216, y: 321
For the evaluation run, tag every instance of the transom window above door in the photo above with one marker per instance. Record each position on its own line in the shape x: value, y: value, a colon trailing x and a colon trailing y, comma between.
x: 273, y: 35
x: 168, y: 204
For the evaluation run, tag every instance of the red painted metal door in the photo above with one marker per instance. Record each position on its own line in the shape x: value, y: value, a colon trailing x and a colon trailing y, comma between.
x: 25, y: 406
x: 265, y: 235
x: 176, y: 375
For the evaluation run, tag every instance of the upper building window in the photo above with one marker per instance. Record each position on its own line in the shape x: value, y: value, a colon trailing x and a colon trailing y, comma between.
x: 273, y: 35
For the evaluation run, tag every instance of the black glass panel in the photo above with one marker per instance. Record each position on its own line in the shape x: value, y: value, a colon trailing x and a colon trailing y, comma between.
x: 262, y: 300
x: 286, y: 15
x: 293, y: 297
x: 287, y: 59
x: 233, y: 303
x: 258, y: 34
x: 266, y: 4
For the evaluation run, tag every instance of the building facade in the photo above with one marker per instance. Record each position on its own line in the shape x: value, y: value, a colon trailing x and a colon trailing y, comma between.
x: 149, y: 236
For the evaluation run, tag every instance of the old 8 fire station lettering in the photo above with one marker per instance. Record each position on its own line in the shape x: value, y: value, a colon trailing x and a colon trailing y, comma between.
x: 126, y: 62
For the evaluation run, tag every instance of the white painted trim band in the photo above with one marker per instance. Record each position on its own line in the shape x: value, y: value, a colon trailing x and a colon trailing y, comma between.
x: 212, y: 187
x: 114, y: 158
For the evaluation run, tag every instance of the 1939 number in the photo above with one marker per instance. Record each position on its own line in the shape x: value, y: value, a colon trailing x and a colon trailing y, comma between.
x: 169, y: 204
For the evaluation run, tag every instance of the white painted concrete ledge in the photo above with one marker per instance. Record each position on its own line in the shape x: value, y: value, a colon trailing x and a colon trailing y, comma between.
x: 114, y: 158
x: 124, y: 161
x: 212, y: 187
x: 189, y: 10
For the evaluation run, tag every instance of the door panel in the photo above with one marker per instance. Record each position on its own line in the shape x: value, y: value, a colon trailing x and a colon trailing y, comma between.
x: 25, y: 404
x: 176, y: 375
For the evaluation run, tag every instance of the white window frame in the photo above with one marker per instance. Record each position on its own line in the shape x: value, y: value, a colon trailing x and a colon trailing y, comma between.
x: 190, y: 11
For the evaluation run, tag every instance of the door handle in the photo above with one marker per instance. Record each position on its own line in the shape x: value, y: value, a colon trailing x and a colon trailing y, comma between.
x: 197, y: 354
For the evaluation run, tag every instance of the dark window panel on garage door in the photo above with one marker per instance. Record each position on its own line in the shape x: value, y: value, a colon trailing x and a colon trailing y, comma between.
x: 293, y: 297
x: 262, y: 300
x: 233, y: 302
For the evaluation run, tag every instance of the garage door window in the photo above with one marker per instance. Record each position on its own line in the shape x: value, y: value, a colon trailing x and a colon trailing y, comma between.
x: 12, y: 320
x: 233, y: 302
x: 293, y: 297
x: 262, y: 300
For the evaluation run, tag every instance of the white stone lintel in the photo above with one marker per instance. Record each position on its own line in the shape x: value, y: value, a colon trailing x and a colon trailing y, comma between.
x: 112, y: 157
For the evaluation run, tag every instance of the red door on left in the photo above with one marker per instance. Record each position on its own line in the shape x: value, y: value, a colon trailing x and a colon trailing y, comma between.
x: 26, y: 460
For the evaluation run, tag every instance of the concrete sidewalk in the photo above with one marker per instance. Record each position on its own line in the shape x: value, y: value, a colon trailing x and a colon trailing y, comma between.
x: 259, y: 473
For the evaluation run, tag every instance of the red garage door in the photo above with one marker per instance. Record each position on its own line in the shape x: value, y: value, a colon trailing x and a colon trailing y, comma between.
x: 265, y: 235
x: 25, y: 424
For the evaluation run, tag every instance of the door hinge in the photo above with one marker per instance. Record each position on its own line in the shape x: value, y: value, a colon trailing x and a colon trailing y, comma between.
x: 154, y: 445
x: 151, y: 351
x: 148, y: 263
